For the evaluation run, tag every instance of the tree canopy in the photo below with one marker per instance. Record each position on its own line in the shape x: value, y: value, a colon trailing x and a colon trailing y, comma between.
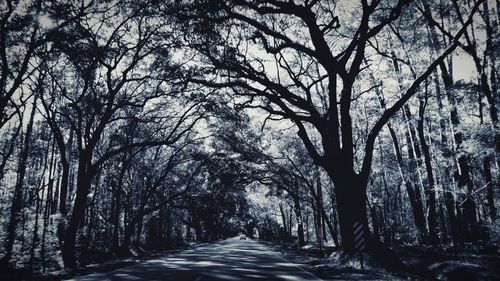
x: 132, y: 125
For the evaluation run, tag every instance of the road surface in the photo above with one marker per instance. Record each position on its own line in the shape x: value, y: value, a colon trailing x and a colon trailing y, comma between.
x: 231, y: 259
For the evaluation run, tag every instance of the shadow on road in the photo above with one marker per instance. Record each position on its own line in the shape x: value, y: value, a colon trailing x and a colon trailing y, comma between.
x: 231, y: 259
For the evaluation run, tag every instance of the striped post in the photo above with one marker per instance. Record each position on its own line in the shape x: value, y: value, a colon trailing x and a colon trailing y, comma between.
x: 359, y: 240
x: 359, y: 237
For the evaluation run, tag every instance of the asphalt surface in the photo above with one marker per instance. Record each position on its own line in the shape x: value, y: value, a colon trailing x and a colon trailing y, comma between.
x: 230, y: 259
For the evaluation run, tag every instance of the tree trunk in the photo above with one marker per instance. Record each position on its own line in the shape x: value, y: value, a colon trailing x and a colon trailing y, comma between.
x: 334, y: 222
x: 84, y: 180
x: 463, y: 172
x: 198, y: 231
x: 351, y: 206
x: 307, y: 227
x: 375, y: 222
x: 430, y: 190
x: 417, y: 204
x: 298, y: 216
x: 283, y: 217
x: 15, y: 209
x: 35, y: 239
x: 449, y: 199
x: 489, y: 188
x: 62, y: 197
x: 139, y: 231
x: 321, y: 207
x: 321, y: 210
x: 415, y: 157
x: 413, y: 194
x: 317, y: 228
x: 116, y: 189
x: 116, y: 215
x: 188, y: 230
x: 127, y: 237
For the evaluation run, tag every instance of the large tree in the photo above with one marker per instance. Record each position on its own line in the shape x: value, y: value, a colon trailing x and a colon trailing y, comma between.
x: 301, y: 62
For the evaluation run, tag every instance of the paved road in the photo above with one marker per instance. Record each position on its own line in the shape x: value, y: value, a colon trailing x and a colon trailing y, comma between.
x: 231, y: 259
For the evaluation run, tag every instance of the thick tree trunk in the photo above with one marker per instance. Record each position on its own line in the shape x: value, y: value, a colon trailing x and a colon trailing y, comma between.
x: 351, y: 206
x: 350, y: 191
x: 84, y: 180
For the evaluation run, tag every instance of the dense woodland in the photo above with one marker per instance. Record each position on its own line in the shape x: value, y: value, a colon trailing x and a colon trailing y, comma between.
x: 129, y: 126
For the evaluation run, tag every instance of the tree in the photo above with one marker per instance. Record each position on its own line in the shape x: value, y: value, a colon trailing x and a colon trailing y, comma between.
x: 24, y: 31
x: 111, y: 75
x: 481, y: 53
x: 19, y: 188
x: 310, y: 80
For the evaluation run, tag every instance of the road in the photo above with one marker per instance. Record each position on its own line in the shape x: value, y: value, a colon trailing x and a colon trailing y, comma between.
x: 230, y: 259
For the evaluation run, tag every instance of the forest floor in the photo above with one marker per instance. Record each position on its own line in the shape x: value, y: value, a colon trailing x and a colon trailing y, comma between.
x: 467, y: 262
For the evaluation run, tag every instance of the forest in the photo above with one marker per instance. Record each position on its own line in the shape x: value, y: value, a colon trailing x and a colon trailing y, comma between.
x: 349, y: 128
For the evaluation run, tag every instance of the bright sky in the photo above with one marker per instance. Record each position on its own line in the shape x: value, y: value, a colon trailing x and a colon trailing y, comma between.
x: 463, y: 68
